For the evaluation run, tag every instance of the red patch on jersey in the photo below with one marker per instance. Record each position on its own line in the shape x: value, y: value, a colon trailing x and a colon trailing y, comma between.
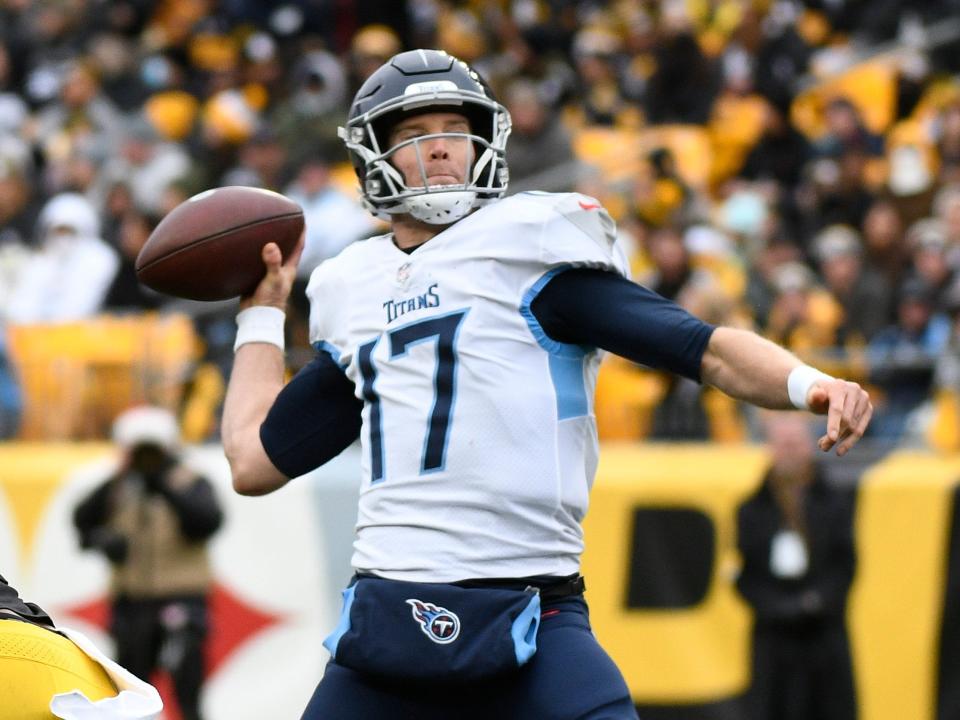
x: 589, y: 206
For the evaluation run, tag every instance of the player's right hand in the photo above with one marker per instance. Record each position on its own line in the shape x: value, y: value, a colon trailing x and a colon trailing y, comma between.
x: 274, y: 289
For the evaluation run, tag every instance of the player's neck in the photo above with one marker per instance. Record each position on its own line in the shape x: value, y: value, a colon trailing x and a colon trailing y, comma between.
x: 409, y: 232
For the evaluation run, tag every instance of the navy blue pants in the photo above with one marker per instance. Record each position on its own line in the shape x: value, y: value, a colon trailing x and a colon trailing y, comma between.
x: 569, y: 678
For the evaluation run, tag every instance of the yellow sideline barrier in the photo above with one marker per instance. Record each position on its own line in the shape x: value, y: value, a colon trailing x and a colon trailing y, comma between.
x: 688, y: 655
x: 701, y: 654
x: 679, y: 656
x: 896, y: 603
x: 31, y: 473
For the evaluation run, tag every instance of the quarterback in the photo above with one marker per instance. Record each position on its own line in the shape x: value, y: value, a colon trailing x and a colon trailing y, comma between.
x: 462, y: 349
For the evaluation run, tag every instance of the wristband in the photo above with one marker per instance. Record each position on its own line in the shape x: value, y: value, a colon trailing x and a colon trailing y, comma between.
x: 799, y: 381
x: 262, y: 324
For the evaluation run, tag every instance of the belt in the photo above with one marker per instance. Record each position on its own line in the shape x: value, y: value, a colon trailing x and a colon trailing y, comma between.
x: 551, y: 588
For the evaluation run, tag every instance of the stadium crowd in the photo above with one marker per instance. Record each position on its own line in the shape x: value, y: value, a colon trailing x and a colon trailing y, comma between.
x: 784, y: 165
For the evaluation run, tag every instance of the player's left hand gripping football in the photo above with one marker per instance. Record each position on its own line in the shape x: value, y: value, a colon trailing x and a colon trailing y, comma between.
x: 274, y: 289
x: 848, y: 410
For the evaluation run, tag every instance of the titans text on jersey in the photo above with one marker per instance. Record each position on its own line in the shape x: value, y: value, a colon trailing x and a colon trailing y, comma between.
x: 399, y: 308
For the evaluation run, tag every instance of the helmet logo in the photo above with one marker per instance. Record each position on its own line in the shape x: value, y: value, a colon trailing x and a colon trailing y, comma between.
x: 433, y: 86
x: 437, y: 623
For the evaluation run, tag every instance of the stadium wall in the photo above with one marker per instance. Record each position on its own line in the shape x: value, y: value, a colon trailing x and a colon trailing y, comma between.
x: 660, y: 566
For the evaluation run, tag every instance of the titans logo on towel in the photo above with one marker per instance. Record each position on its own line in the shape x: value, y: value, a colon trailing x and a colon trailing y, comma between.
x: 437, y: 623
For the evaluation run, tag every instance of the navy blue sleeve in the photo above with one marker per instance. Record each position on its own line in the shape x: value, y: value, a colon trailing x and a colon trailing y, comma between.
x: 314, y: 418
x: 603, y: 309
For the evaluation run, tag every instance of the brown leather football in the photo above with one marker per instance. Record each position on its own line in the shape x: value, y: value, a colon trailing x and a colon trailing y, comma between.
x: 208, y: 247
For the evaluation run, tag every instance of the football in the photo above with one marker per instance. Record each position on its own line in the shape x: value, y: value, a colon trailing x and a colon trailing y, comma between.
x: 208, y: 247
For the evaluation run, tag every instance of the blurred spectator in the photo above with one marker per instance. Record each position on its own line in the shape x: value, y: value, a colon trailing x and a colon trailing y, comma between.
x: 927, y: 241
x: 372, y: 46
x: 333, y: 219
x: 835, y: 193
x: 762, y: 290
x: 176, y: 193
x: 19, y: 206
x: 540, y: 153
x: 885, y: 248
x: 779, y: 155
x: 146, y: 164
x: 745, y: 213
x: 902, y: 355
x: 863, y: 294
x: 947, y: 135
x: 83, y: 121
x: 600, y: 99
x: 114, y: 59
x: 306, y: 120
x: 670, y: 262
x: 171, y: 108
x: 13, y: 109
x: 263, y: 71
x: 118, y: 202
x: 795, y: 537
x: 67, y: 275
x: 783, y: 55
x: 152, y: 519
x: 804, y: 317
x: 262, y: 162
x: 846, y: 132
x: 685, y: 82
x: 738, y: 118
x: 659, y: 195
x: 910, y: 180
x: 11, y: 397
x: 126, y: 293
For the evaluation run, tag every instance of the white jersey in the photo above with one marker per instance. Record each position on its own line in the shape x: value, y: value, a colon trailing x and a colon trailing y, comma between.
x: 479, y: 440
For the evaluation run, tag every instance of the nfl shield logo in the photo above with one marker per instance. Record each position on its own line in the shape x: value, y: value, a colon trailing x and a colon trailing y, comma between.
x: 403, y: 274
x: 437, y: 623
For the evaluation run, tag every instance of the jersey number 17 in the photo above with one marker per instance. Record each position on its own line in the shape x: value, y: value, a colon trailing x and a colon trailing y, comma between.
x: 443, y: 329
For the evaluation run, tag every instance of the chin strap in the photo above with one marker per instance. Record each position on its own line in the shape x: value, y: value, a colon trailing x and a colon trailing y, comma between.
x: 441, y: 208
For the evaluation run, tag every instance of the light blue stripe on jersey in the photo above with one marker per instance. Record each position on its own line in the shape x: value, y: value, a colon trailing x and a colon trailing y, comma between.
x: 331, y: 350
x: 567, y: 376
x: 343, y: 626
x: 566, y: 361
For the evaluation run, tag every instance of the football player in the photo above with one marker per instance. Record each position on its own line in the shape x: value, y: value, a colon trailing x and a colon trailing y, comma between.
x: 49, y: 671
x: 462, y: 348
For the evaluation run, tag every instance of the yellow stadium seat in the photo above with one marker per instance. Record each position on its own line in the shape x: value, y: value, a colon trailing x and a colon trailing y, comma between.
x: 943, y: 433
x: 871, y: 86
x: 613, y: 151
x: 625, y: 399
x: 690, y: 146
x: 172, y: 113
x: 76, y: 377
x: 937, y: 95
x: 736, y: 125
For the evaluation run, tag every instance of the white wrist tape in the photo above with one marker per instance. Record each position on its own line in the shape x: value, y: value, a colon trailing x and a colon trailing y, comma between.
x: 260, y: 323
x: 799, y: 382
